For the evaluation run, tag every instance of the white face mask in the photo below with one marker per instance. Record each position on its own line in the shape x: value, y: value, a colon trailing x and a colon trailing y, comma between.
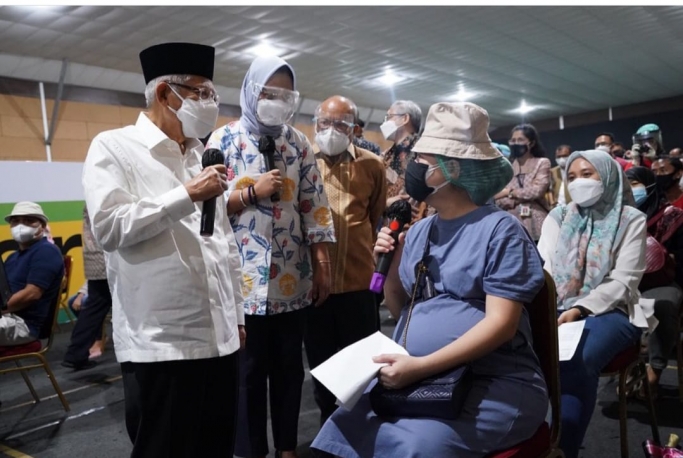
x: 561, y: 161
x: 332, y: 142
x: 586, y: 191
x: 24, y: 234
x: 273, y: 112
x: 197, y: 118
x: 389, y: 129
x: 604, y: 148
x: 430, y: 172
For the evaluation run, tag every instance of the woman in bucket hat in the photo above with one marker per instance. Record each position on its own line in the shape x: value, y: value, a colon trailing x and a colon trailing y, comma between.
x: 484, y: 267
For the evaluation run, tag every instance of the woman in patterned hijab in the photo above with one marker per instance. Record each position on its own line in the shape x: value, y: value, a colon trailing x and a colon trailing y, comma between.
x: 594, y: 248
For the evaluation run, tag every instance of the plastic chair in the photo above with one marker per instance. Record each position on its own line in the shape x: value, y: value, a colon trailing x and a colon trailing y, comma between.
x: 16, y: 353
x: 624, y: 364
x: 543, y: 319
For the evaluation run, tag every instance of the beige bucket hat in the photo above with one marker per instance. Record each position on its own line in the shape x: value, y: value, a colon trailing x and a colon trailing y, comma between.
x: 457, y: 130
x: 27, y: 209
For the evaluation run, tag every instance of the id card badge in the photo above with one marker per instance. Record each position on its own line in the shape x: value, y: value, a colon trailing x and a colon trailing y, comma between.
x: 524, y: 211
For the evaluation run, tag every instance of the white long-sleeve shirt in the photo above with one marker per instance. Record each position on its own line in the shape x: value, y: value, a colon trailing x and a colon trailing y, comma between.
x: 619, y: 288
x: 176, y: 295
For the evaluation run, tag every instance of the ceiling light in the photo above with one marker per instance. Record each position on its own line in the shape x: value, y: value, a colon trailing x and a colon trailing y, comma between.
x: 524, y: 108
x: 463, y: 95
x: 264, y: 49
x: 389, y: 78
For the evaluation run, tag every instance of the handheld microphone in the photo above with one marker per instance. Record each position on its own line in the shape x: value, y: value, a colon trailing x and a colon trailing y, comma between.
x: 399, y: 214
x: 211, y: 157
x: 266, y: 146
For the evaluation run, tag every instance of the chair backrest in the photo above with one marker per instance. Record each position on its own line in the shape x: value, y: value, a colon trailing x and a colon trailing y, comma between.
x: 66, y: 282
x: 543, y: 320
x: 46, y: 331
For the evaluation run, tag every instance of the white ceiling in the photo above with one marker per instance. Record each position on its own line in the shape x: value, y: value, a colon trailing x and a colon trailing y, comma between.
x: 564, y: 60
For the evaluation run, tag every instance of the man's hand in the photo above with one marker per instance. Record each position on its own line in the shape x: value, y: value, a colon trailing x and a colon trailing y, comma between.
x: 243, y: 335
x: 568, y: 316
x: 211, y: 182
x: 268, y: 184
x: 402, y: 370
x: 322, y: 281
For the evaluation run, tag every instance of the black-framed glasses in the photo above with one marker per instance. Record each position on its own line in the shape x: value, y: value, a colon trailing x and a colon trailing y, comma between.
x: 202, y: 93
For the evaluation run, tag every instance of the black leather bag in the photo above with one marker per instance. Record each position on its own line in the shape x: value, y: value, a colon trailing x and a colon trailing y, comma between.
x: 441, y: 396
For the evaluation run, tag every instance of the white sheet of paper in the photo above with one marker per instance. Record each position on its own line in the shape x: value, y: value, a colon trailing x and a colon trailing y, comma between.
x: 348, y: 373
x: 569, y: 335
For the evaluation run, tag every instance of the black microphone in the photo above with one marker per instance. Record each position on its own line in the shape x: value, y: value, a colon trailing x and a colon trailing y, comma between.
x: 266, y: 146
x: 399, y: 214
x: 211, y: 157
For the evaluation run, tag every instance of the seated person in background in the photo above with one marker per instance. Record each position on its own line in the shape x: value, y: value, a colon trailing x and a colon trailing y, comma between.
x: 558, y: 177
x: 485, y: 268
x: 668, y: 173
x: 79, y: 301
x: 34, y: 273
x: 594, y: 248
x: 87, y: 339
x: 665, y: 224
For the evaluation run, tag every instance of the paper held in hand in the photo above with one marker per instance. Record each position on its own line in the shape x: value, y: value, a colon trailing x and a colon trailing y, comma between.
x: 569, y: 335
x: 348, y: 373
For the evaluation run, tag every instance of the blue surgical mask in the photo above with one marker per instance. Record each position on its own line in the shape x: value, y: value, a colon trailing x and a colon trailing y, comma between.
x: 639, y: 194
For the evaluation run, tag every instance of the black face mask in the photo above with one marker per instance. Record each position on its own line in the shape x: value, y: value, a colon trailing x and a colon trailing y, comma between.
x: 618, y: 153
x: 416, y: 184
x: 665, y: 182
x: 518, y: 150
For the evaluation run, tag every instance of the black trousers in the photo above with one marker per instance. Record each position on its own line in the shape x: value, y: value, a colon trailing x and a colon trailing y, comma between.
x: 182, y: 409
x: 271, y: 360
x: 88, y: 327
x: 340, y: 321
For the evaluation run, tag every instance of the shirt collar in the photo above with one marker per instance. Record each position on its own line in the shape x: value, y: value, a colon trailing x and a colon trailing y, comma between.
x: 153, y: 137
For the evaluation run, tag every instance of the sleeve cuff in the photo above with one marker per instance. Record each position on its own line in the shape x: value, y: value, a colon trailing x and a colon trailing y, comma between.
x: 177, y: 203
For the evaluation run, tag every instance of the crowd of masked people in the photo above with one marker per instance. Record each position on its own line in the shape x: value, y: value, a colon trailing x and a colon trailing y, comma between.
x: 209, y: 328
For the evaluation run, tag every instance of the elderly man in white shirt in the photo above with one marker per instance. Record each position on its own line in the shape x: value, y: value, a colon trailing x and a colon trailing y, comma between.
x: 177, y: 305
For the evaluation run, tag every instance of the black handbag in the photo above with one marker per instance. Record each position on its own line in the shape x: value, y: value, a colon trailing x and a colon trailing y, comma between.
x: 441, y: 396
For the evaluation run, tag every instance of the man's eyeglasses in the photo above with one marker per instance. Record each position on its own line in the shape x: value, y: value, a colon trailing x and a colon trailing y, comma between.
x: 388, y: 116
x: 202, y: 93
x: 339, y: 125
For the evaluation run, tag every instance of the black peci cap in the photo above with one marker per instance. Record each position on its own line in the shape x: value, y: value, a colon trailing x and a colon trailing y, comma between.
x: 177, y: 59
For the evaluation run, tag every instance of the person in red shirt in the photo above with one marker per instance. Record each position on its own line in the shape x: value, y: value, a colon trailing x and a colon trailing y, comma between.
x: 668, y: 172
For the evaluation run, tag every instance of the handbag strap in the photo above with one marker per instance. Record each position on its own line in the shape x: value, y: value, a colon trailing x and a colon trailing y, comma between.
x: 421, y: 272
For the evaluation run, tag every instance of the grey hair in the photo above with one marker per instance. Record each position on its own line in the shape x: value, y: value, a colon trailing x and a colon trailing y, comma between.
x: 152, y: 85
x: 412, y: 110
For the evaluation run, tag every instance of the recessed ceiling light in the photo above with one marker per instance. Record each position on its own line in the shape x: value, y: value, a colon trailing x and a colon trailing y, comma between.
x: 463, y: 95
x: 524, y: 108
x: 390, y: 78
x: 264, y: 49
